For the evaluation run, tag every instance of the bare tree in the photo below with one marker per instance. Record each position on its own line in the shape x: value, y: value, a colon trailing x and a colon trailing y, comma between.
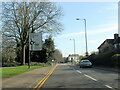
x: 58, y: 56
x: 8, y: 50
x: 22, y: 18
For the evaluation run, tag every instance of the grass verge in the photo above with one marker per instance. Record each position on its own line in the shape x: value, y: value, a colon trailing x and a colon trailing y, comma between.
x: 11, y: 71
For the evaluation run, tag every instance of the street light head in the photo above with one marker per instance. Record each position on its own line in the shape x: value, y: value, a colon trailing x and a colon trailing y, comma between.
x: 72, y: 39
x: 80, y: 19
x: 77, y: 19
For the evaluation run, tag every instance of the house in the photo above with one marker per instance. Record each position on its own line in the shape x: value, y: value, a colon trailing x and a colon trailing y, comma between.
x: 73, y: 58
x: 110, y: 44
x: 106, y: 45
x: 117, y: 43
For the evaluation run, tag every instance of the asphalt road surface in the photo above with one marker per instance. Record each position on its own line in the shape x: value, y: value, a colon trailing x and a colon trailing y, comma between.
x: 71, y: 76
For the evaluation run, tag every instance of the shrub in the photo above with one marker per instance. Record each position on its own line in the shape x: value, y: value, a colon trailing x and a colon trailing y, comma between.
x: 108, y: 58
x: 8, y: 64
x: 116, y: 60
x: 104, y: 59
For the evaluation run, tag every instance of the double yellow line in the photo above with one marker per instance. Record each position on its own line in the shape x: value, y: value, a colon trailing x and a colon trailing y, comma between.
x: 39, y: 85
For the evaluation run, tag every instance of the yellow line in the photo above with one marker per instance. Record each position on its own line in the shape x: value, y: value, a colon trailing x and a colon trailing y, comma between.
x: 45, y: 78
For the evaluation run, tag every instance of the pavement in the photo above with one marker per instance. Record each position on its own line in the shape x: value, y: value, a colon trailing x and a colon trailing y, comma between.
x: 26, y: 80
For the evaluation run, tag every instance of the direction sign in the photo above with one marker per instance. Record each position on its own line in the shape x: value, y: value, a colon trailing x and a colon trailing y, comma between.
x: 35, y: 41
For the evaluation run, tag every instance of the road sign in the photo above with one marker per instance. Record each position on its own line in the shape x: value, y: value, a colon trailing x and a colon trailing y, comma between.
x: 35, y: 41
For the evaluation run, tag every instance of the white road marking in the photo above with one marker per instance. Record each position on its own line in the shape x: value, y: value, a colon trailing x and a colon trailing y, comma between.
x: 108, y: 86
x: 78, y: 71
x: 90, y: 77
x: 93, y: 79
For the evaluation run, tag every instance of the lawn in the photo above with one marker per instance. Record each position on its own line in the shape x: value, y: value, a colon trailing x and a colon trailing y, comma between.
x: 11, y: 71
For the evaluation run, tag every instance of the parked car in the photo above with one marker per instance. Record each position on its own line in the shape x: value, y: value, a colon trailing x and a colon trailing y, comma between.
x: 85, y: 63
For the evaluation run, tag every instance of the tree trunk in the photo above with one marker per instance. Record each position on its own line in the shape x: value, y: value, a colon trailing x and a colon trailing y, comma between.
x: 23, y: 58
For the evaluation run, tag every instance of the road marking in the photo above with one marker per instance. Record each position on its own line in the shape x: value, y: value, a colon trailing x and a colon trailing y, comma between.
x: 108, y: 86
x: 39, y: 85
x: 94, y: 79
x: 90, y: 77
x: 78, y: 71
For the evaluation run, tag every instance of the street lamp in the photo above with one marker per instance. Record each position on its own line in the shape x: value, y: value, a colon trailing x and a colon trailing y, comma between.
x: 85, y: 35
x: 74, y: 47
x: 31, y: 43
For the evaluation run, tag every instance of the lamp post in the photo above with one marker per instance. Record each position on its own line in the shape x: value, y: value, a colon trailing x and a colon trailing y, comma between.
x: 31, y: 43
x: 85, y: 35
x: 74, y: 47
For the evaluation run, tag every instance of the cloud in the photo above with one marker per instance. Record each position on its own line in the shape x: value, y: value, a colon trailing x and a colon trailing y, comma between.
x: 110, y: 28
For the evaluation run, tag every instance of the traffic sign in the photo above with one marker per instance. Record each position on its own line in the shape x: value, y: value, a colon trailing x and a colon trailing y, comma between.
x: 35, y: 41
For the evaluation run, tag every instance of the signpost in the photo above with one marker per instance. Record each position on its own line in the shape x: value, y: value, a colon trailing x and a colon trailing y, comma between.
x: 35, y: 43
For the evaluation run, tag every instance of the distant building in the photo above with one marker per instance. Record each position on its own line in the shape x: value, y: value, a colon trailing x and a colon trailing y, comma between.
x: 110, y: 44
x: 73, y: 58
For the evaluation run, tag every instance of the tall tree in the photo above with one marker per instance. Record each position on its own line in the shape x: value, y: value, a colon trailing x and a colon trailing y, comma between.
x: 21, y: 18
x: 49, y: 47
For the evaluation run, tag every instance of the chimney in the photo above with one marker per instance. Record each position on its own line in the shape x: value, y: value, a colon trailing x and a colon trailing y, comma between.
x: 115, y: 36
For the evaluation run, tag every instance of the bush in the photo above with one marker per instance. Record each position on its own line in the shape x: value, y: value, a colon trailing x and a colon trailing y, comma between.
x: 104, y: 59
x: 92, y: 58
x: 7, y: 64
x: 108, y: 58
x: 116, y: 60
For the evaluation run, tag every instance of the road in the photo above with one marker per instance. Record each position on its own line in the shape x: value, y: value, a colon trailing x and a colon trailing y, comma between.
x: 71, y: 76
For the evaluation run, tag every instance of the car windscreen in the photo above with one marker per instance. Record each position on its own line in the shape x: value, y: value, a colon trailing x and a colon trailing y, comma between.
x: 85, y: 62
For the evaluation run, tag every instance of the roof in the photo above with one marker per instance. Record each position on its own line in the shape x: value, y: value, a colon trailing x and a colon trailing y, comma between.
x: 73, y: 55
x: 110, y: 41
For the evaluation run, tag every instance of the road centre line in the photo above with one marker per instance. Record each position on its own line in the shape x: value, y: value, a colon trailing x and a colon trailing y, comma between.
x: 47, y: 77
x: 78, y: 71
x: 39, y: 85
x: 90, y: 77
